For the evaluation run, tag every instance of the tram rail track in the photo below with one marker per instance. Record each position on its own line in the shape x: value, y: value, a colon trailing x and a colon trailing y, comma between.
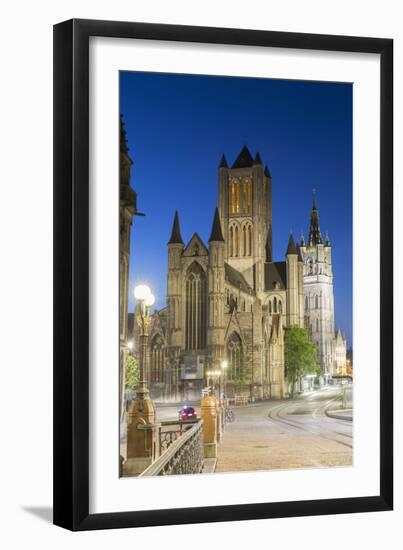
x: 278, y: 414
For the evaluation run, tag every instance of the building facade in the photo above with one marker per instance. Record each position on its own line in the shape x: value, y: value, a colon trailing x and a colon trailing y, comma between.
x: 127, y: 209
x: 229, y: 300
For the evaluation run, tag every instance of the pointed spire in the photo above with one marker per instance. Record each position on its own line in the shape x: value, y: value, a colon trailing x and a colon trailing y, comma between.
x: 267, y: 172
x: 269, y: 254
x: 223, y: 163
x: 327, y: 240
x: 216, y: 232
x: 176, y: 237
x: 257, y: 160
x: 300, y: 258
x: 302, y: 243
x: 315, y: 236
x: 244, y: 159
x: 291, y: 248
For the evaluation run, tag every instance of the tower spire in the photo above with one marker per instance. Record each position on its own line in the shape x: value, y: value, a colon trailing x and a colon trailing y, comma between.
x: 315, y: 236
x: 176, y: 237
x: 216, y: 232
x: 291, y: 248
x: 223, y: 163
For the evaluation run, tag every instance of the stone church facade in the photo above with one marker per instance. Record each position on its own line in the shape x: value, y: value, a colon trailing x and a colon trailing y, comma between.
x: 228, y: 299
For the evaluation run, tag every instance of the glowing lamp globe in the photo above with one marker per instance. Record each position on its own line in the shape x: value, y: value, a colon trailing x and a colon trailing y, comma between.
x: 142, y: 292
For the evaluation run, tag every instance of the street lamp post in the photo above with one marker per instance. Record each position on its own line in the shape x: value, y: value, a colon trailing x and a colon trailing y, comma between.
x: 141, y: 433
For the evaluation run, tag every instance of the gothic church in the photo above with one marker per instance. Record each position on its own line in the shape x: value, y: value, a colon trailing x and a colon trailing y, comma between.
x: 228, y: 299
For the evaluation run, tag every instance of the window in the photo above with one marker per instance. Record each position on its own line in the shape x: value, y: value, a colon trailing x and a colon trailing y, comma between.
x: 280, y: 306
x: 234, y: 354
x: 250, y: 240
x: 246, y: 197
x: 317, y: 302
x: 233, y: 196
x: 196, y: 297
x: 275, y: 305
x: 157, y: 359
x: 236, y: 250
x: 317, y: 325
x: 309, y: 266
x: 306, y: 303
x: 231, y: 241
x: 270, y: 307
x: 245, y: 242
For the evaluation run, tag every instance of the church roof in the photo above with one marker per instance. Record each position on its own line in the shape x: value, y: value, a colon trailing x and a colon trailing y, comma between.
x: 291, y: 248
x: 236, y: 278
x: 216, y: 232
x: 244, y: 159
x: 275, y: 272
x: 176, y: 237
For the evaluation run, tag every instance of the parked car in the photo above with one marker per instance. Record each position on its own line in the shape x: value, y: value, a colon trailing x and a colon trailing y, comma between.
x: 187, y: 413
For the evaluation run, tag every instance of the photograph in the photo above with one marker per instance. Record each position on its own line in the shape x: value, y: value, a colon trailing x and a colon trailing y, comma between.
x: 235, y: 274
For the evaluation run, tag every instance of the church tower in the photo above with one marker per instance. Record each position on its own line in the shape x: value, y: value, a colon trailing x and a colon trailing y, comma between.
x: 318, y: 292
x: 216, y: 293
x: 245, y: 209
x: 174, y: 285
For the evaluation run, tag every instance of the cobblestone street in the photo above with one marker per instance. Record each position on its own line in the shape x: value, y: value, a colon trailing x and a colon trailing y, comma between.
x: 281, y: 435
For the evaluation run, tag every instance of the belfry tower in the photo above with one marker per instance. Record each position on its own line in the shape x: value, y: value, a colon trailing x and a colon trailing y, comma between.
x: 318, y: 292
x: 245, y: 208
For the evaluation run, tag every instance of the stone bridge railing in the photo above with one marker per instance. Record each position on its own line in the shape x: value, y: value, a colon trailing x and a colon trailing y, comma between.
x: 184, y: 455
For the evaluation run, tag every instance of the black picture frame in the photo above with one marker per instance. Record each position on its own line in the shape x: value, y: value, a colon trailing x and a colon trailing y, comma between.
x: 71, y: 274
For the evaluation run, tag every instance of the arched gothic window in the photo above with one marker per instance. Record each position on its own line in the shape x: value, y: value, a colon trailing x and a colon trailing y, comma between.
x: 234, y: 240
x: 317, y: 302
x: 231, y: 241
x: 234, y: 354
x: 306, y: 303
x: 157, y: 359
x: 245, y: 241
x: 270, y: 307
x: 246, y: 197
x: 317, y: 325
x: 236, y: 248
x: 275, y: 305
x: 196, y: 305
x: 280, y: 306
x: 233, y: 184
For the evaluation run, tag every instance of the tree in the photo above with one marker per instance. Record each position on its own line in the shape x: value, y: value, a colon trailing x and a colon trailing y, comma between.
x: 132, y: 372
x: 300, y: 355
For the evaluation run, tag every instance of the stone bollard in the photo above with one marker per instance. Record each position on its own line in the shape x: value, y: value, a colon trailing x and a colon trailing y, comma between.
x: 209, y: 415
x: 141, y: 437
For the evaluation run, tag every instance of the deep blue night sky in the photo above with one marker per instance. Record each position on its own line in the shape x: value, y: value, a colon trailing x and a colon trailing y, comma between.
x: 178, y: 126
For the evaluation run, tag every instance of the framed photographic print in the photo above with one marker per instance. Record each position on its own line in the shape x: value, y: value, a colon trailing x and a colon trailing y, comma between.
x: 223, y: 259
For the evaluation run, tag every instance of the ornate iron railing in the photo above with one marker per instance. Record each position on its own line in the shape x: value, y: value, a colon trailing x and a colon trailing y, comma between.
x: 170, y: 430
x: 183, y: 456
